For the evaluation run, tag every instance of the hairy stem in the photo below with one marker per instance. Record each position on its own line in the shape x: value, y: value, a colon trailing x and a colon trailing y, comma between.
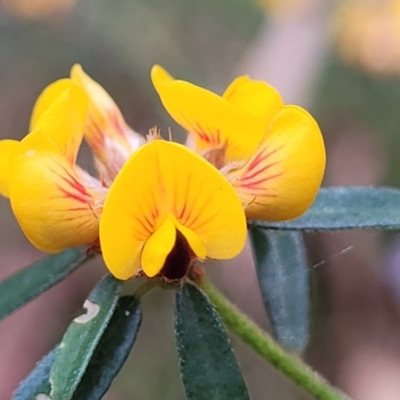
x: 291, y: 366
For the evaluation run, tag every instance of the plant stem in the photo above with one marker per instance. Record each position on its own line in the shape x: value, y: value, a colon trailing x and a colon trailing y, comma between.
x: 291, y: 366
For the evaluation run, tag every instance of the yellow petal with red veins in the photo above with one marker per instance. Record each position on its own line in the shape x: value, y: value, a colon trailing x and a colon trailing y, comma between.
x: 166, y: 181
x: 61, y: 112
x: 52, y: 206
x: 214, y: 122
x: 281, y: 180
x: 107, y: 133
x: 256, y: 97
x: 7, y: 150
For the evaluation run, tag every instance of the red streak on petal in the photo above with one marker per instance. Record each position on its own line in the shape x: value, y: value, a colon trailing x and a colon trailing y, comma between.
x: 149, y: 226
x: 207, y: 135
x: 261, y: 156
x: 254, y: 185
x: 203, y: 222
x: 116, y: 122
x: 73, y: 182
x: 182, y: 213
x: 96, y: 133
x: 75, y: 196
x: 258, y: 172
x: 75, y: 189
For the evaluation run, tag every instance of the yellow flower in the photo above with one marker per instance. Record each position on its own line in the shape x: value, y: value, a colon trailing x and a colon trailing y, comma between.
x: 273, y: 154
x: 56, y: 203
x: 166, y: 207
x: 155, y: 209
x: 110, y: 138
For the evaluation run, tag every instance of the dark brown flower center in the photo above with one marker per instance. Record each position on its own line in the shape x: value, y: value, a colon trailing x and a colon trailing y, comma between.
x: 178, y: 260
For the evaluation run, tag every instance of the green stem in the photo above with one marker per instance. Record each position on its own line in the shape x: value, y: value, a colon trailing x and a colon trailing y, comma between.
x: 267, y: 348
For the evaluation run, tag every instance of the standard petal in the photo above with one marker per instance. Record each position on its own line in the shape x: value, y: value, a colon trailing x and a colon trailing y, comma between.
x: 107, y: 133
x: 282, y: 179
x: 53, y: 207
x: 256, y: 97
x: 60, y: 112
x: 164, y: 178
x: 214, y: 122
x: 7, y: 150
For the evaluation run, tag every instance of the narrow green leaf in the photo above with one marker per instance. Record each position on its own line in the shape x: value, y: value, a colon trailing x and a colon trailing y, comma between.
x: 81, y: 339
x: 347, y: 208
x: 38, y: 277
x: 37, y: 382
x: 112, y: 350
x: 283, y: 275
x: 208, y: 366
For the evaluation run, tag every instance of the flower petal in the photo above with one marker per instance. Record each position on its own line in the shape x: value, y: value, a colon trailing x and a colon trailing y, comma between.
x: 214, y: 122
x: 282, y: 179
x: 7, y: 150
x: 158, y: 246
x: 107, y: 133
x: 256, y: 97
x: 161, y: 179
x: 52, y: 206
x: 60, y: 112
x: 47, y: 97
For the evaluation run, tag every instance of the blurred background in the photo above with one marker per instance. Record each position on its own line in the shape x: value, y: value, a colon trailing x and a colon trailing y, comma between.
x: 339, y: 59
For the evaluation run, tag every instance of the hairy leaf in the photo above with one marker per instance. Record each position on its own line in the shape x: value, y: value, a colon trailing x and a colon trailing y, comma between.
x: 208, y: 366
x: 112, y: 350
x: 283, y: 275
x: 81, y: 338
x: 38, y: 277
x: 347, y: 208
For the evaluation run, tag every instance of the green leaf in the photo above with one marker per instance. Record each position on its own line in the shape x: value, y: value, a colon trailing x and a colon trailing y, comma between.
x: 37, y: 382
x: 208, y: 366
x: 347, y: 208
x: 82, y: 337
x: 38, y: 277
x: 283, y: 275
x: 112, y: 350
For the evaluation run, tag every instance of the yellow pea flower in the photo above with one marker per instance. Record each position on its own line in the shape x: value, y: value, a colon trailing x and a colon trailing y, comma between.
x: 273, y: 154
x: 155, y: 209
x: 56, y: 203
x: 166, y: 207
x: 53, y: 200
x: 110, y: 138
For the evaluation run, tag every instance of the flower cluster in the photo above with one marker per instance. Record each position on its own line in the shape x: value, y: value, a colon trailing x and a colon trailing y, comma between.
x: 156, y: 206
